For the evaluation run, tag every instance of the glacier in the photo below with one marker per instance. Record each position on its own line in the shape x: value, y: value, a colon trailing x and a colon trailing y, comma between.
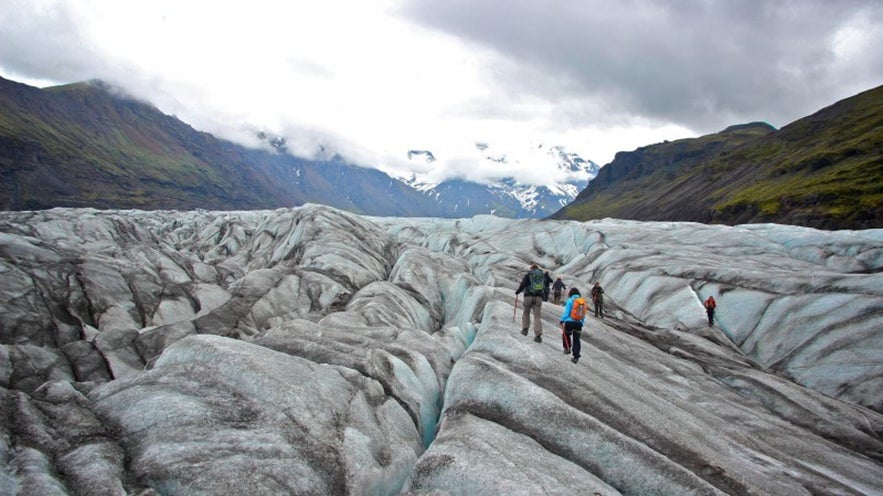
x: 314, y: 351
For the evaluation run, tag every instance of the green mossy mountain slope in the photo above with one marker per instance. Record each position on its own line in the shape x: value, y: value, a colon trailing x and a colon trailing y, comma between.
x: 81, y: 146
x: 86, y: 145
x: 824, y: 171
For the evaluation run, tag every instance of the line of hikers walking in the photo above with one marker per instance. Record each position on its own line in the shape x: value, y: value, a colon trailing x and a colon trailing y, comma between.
x: 536, y: 285
x: 554, y: 288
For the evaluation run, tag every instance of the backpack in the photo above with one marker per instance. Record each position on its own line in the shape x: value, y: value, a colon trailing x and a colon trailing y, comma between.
x: 537, y: 281
x: 579, y: 309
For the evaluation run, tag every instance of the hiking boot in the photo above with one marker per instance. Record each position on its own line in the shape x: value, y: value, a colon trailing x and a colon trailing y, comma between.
x: 574, y: 359
x: 524, y: 332
x: 566, y: 351
x: 538, y: 339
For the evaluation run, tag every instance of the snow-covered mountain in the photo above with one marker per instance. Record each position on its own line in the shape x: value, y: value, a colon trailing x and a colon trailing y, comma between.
x: 312, y: 351
x: 506, y: 196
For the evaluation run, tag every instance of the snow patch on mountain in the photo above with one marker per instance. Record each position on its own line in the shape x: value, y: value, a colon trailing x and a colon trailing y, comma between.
x: 421, y: 183
x: 567, y: 174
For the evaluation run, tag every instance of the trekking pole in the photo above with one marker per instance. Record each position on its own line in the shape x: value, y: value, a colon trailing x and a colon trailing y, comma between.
x: 515, y: 308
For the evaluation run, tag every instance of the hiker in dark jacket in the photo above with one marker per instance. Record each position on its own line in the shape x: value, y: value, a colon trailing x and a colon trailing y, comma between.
x: 558, y: 288
x: 598, y: 299
x: 533, y: 284
x: 572, y: 323
x: 547, y: 281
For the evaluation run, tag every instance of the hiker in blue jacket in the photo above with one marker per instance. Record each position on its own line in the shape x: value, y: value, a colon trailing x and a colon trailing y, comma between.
x: 571, y: 323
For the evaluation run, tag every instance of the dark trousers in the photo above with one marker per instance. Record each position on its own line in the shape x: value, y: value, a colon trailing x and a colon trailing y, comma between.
x: 599, y: 307
x: 710, y: 312
x: 571, y: 337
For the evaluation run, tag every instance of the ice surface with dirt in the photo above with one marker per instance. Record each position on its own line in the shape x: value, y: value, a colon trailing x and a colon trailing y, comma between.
x: 313, y: 351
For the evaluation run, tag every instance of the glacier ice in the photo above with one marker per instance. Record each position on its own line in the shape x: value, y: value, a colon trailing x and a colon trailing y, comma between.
x: 314, y: 351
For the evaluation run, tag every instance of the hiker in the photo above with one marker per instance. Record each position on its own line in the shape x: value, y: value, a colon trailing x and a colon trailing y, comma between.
x: 557, y: 290
x: 598, y: 299
x: 533, y: 283
x: 571, y: 323
x: 546, y: 282
x: 710, y: 305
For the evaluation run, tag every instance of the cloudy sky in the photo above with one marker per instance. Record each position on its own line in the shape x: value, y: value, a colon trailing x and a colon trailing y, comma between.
x: 373, y: 79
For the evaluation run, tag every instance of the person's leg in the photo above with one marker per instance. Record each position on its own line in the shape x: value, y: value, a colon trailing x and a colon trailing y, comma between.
x: 527, y: 304
x: 576, y: 343
x: 538, y: 316
x: 565, y: 337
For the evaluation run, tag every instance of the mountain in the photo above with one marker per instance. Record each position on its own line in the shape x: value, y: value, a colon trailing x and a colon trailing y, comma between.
x: 825, y: 170
x: 507, y: 197
x: 311, y: 351
x: 86, y: 145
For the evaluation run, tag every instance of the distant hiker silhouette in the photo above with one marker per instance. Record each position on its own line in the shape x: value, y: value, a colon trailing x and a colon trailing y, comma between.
x: 546, y: 282
x: 598, y: 299
x: 557, y: 290
x: 710, y: 305
x: 533, y: 284
x: 571, y: 323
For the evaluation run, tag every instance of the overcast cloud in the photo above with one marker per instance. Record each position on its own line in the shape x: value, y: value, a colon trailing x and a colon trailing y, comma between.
x: 373, y: 79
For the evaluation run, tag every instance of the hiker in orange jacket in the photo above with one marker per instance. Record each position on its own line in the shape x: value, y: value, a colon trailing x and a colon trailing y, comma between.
x: 710, y: 305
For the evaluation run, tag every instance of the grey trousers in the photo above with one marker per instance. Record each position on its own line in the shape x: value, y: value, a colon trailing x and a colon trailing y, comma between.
x: 532, y: 304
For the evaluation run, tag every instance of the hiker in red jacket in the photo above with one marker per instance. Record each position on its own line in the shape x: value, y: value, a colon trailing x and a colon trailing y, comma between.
x: 710, y: 305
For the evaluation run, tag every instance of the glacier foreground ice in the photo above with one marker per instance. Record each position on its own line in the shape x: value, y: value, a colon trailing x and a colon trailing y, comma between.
x: 312, y: 351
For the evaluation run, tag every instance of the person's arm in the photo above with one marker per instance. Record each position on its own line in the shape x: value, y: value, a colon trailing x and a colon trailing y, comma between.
x: 566, y: 315
x: 524, y: 282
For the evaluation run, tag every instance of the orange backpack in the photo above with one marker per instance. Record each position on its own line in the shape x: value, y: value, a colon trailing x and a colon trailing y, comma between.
x: 579, y: 309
